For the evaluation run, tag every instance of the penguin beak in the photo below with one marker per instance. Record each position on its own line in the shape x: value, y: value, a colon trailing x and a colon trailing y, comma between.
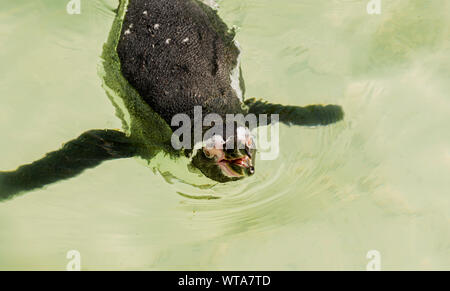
x: 233, y: 165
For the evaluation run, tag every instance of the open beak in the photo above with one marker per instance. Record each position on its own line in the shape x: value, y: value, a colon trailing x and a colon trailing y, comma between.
x: 232, y: 167
x: 244, y: 162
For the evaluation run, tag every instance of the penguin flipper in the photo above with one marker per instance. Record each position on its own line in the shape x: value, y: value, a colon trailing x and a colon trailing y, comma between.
x: 87, y: 151
x: 311, y: 115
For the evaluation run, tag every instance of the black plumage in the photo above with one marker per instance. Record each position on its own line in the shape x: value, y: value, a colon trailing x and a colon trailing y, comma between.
x: 179, y: 54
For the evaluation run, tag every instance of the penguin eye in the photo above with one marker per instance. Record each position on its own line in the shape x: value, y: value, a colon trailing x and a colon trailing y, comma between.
x: 208, y: 153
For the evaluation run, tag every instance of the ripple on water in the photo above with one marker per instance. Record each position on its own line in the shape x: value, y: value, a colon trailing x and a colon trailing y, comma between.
x: 294, y: 187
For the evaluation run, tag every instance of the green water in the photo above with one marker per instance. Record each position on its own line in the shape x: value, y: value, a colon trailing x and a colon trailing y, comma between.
x: 377, y: 181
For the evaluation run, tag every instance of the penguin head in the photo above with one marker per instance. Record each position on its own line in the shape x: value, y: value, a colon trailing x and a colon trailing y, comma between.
x: 227, y: 158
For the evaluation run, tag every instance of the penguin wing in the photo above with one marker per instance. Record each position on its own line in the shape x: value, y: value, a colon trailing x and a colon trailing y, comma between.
x: 311, y: 115
x: 87, y: 151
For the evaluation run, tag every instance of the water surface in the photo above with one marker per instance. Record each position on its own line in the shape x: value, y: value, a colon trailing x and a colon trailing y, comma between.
x: 377, y: 181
